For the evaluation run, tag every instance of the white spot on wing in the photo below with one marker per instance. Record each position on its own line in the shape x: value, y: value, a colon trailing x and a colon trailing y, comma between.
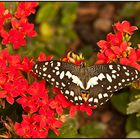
x: 36, y: 71
x: 114, y: 71
x: 77, y: 81
x: 80, y: 98
x: 57, y: 73
x: 113, y: 76
x: 62, y: 75
x: 127, y: 73
x: 75, y: 98
x: 44, y: 74
x: 101, y: 103
x: 92, y: 81
x: 49, y: 76
x: 56, y: 68
x: 101, y: 76
x: 109, y: 87
x: 71, y: 93
x: 90, y: 99
x: 119, y: 84
x: 52, y: 64
x: 57, y: 83
x: 35, y: 66
x: 95, y: 100
x: 111, y: 67
x: 68, y: 74
x: 105, y: 95
x: 63, y: 84
x: 53, y: 79
x: 58, y: 64
x: 46, y: 63
x: 136, y: 71
x: 100, y: 96
x: 124, y: 67
x: 128, y: 79
x: 66, y: 92
x: 118, y: 67
x: 44, y: 69
x: 109, y: 78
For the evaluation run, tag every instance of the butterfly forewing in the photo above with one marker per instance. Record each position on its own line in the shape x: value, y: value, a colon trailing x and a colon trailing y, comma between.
x: 108, y: 79
x: 62, y: 75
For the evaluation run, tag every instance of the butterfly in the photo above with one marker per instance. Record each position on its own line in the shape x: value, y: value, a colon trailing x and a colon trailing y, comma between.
x: 94, y: 84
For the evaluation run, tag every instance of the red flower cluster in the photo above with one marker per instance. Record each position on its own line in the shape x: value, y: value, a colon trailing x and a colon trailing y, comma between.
x: 12, y: 82
x: 40, y: 116
x: 117, y: 47
x: 15, y: 27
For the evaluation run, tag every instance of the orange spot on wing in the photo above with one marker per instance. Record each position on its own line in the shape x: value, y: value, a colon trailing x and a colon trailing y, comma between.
x: 85, y: 96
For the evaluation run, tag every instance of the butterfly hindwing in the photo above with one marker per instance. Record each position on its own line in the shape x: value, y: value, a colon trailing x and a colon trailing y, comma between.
x: 109, y: 78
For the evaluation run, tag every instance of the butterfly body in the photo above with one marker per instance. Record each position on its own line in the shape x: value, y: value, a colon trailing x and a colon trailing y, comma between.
x: 80, y: 84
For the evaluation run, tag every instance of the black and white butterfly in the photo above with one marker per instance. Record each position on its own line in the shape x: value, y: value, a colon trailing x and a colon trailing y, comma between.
x: 80, y: 84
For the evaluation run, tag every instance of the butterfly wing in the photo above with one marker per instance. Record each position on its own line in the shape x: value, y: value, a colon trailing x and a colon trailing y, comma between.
x: 62, y: 75
x: 106, y: 79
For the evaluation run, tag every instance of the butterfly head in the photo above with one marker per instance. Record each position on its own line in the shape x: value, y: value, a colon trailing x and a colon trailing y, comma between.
x: 82, y: 64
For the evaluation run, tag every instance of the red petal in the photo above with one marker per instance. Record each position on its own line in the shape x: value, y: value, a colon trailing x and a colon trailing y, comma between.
x: 73, y: 111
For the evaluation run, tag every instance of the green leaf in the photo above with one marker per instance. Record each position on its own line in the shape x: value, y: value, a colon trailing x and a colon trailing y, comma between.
x: 68, y: 130
x: 133, y: 107
x: 134, y: 134
x: 126, y: 12
x: 92, y: 130
x: 131, y: 123
x: 48, y: 12
x: 69, y: 13
x: 120, y: 101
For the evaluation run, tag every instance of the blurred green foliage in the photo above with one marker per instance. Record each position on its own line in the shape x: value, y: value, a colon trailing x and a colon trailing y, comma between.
x: 70, y: 129
x: 56, y: 25
x: 92, y: 130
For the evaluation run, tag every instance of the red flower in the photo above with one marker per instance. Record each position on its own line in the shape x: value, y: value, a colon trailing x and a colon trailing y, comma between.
x: 23, y: 129
x: 25, y: 9
x: 20, y: 28
x: 114, y: 39
x: 125, y: 27
x: 26, y: 64
x: 132, y: 59
x: 24, y: 26
x: 5, y: 36
x: 4, y: 14
x: 42, y: 57
x: 16, y: 38
x: 13, y: 89
x: 117, y: 49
